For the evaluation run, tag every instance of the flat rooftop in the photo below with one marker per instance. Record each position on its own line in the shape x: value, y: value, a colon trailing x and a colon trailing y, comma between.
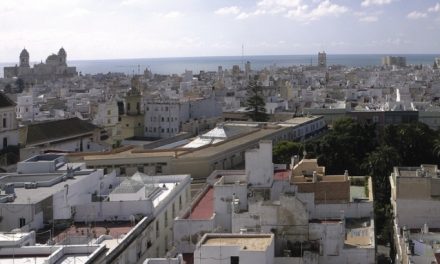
x: 358, y: 232
x: 26, y: 196
x: 204, y: 208
x: 96, y: 229
x: 224, y: 146
x: 247, y: 242
x: 19, y: 259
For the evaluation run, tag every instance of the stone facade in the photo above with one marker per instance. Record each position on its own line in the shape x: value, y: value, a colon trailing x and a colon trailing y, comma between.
x: 55, y: 67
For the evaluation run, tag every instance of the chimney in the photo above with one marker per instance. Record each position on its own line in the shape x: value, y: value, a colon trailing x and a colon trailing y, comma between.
x: 315, y: 177
x: 293, y: 161
x: 346, y: 175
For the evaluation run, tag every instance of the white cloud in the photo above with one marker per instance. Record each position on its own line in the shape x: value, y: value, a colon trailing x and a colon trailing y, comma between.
x: 325, y: 8
x: 369, y: 19
x: 279, y: 3
x: 435, y: 8
x: 230, y: 10
x: 416, y: 15
x: 173, y: 14
x: 367, y: 3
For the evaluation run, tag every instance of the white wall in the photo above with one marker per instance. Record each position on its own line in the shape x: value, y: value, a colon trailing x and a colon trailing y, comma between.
x: 259, y: 166
x: 222, y: 204
x: 100, y: 211
x: 186, y: 230
x: 415, y: 213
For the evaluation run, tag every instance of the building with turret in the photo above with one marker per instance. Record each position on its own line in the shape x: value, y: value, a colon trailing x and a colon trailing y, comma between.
x: 54, y: 67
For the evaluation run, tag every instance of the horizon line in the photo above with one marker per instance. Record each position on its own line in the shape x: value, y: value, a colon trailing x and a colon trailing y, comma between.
x: 250, y: 55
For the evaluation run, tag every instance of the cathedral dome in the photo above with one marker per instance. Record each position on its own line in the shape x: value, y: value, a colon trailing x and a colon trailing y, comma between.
x: 24, y: 53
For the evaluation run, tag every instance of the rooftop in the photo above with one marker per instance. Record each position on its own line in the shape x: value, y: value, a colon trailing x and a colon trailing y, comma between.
x: 359, y: 232
x: 243, y: 241
x: 56, y: 130
x: 204, y: 208
x: 5, y: 101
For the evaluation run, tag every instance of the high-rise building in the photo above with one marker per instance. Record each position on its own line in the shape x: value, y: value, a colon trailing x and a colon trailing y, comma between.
x: 322, y: 59
x: 394, y: 61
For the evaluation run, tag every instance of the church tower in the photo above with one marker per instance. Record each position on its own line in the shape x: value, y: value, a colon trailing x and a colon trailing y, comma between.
x: 24, y: 58
x: 62, y: 55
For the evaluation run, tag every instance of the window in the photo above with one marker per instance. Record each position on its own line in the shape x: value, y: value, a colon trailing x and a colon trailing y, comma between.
x: 157, y: 229
x: 180, y: 202
x: 122, y: 170
x: 158, y: 169
x: 173, y: 211
x: 4, y: 122
x: 166, y: 219
x: 22, y: 221
x: 109, y: 112
x: 235, y: 259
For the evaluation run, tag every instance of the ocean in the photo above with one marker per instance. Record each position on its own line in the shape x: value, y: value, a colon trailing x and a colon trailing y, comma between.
x: 196, y: 64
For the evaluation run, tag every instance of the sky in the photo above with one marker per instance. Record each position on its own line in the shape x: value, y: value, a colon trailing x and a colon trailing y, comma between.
x: 111, y: 29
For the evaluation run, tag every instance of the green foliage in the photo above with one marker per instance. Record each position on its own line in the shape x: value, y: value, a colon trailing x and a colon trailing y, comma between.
x: 379, y: 165
x: 360, y: 150
x: 255, y: 103
x: 345, y: 146
x: 414, y: 142
x: 284, y: 150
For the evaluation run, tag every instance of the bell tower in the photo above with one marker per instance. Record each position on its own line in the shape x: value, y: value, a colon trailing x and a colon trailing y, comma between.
x: 24, y: 58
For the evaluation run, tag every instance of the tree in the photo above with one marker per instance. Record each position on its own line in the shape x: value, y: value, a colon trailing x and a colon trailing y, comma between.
x: 284, y: 150
x: 345, y: 146
x: 414, y: 142
x: 379, y: 164
x: 255, y: 103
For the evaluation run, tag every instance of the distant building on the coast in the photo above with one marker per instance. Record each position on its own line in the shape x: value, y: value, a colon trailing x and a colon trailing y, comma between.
x: 322, y: 59
x: 394, y: 61
x: 437, y: 62
x: 55, y: 66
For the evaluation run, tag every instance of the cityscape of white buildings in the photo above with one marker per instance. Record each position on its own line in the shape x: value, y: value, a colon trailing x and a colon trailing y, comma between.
x: 148, y: 168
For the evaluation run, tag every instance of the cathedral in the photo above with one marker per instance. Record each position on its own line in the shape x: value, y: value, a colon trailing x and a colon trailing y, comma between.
x: 55, y: 67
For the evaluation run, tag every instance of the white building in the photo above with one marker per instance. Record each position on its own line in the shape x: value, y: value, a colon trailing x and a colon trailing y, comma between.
x: 165, y: 118
x: 414, y: 192
x: 26, y: 108
x: 133, y: 219
x: 235, y: 248
x: 315, y: 218
x: 9, y: 125
x: 45, y: 189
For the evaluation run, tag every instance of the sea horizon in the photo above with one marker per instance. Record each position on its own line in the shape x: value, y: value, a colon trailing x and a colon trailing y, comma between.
x: 178, y: 65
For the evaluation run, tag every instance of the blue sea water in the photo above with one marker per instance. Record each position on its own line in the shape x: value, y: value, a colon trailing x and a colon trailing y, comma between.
x: 196, y: 64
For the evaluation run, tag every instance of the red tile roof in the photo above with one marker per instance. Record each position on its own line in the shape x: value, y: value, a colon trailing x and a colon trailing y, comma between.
x: 281, y: 175
x: 204, y: 209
